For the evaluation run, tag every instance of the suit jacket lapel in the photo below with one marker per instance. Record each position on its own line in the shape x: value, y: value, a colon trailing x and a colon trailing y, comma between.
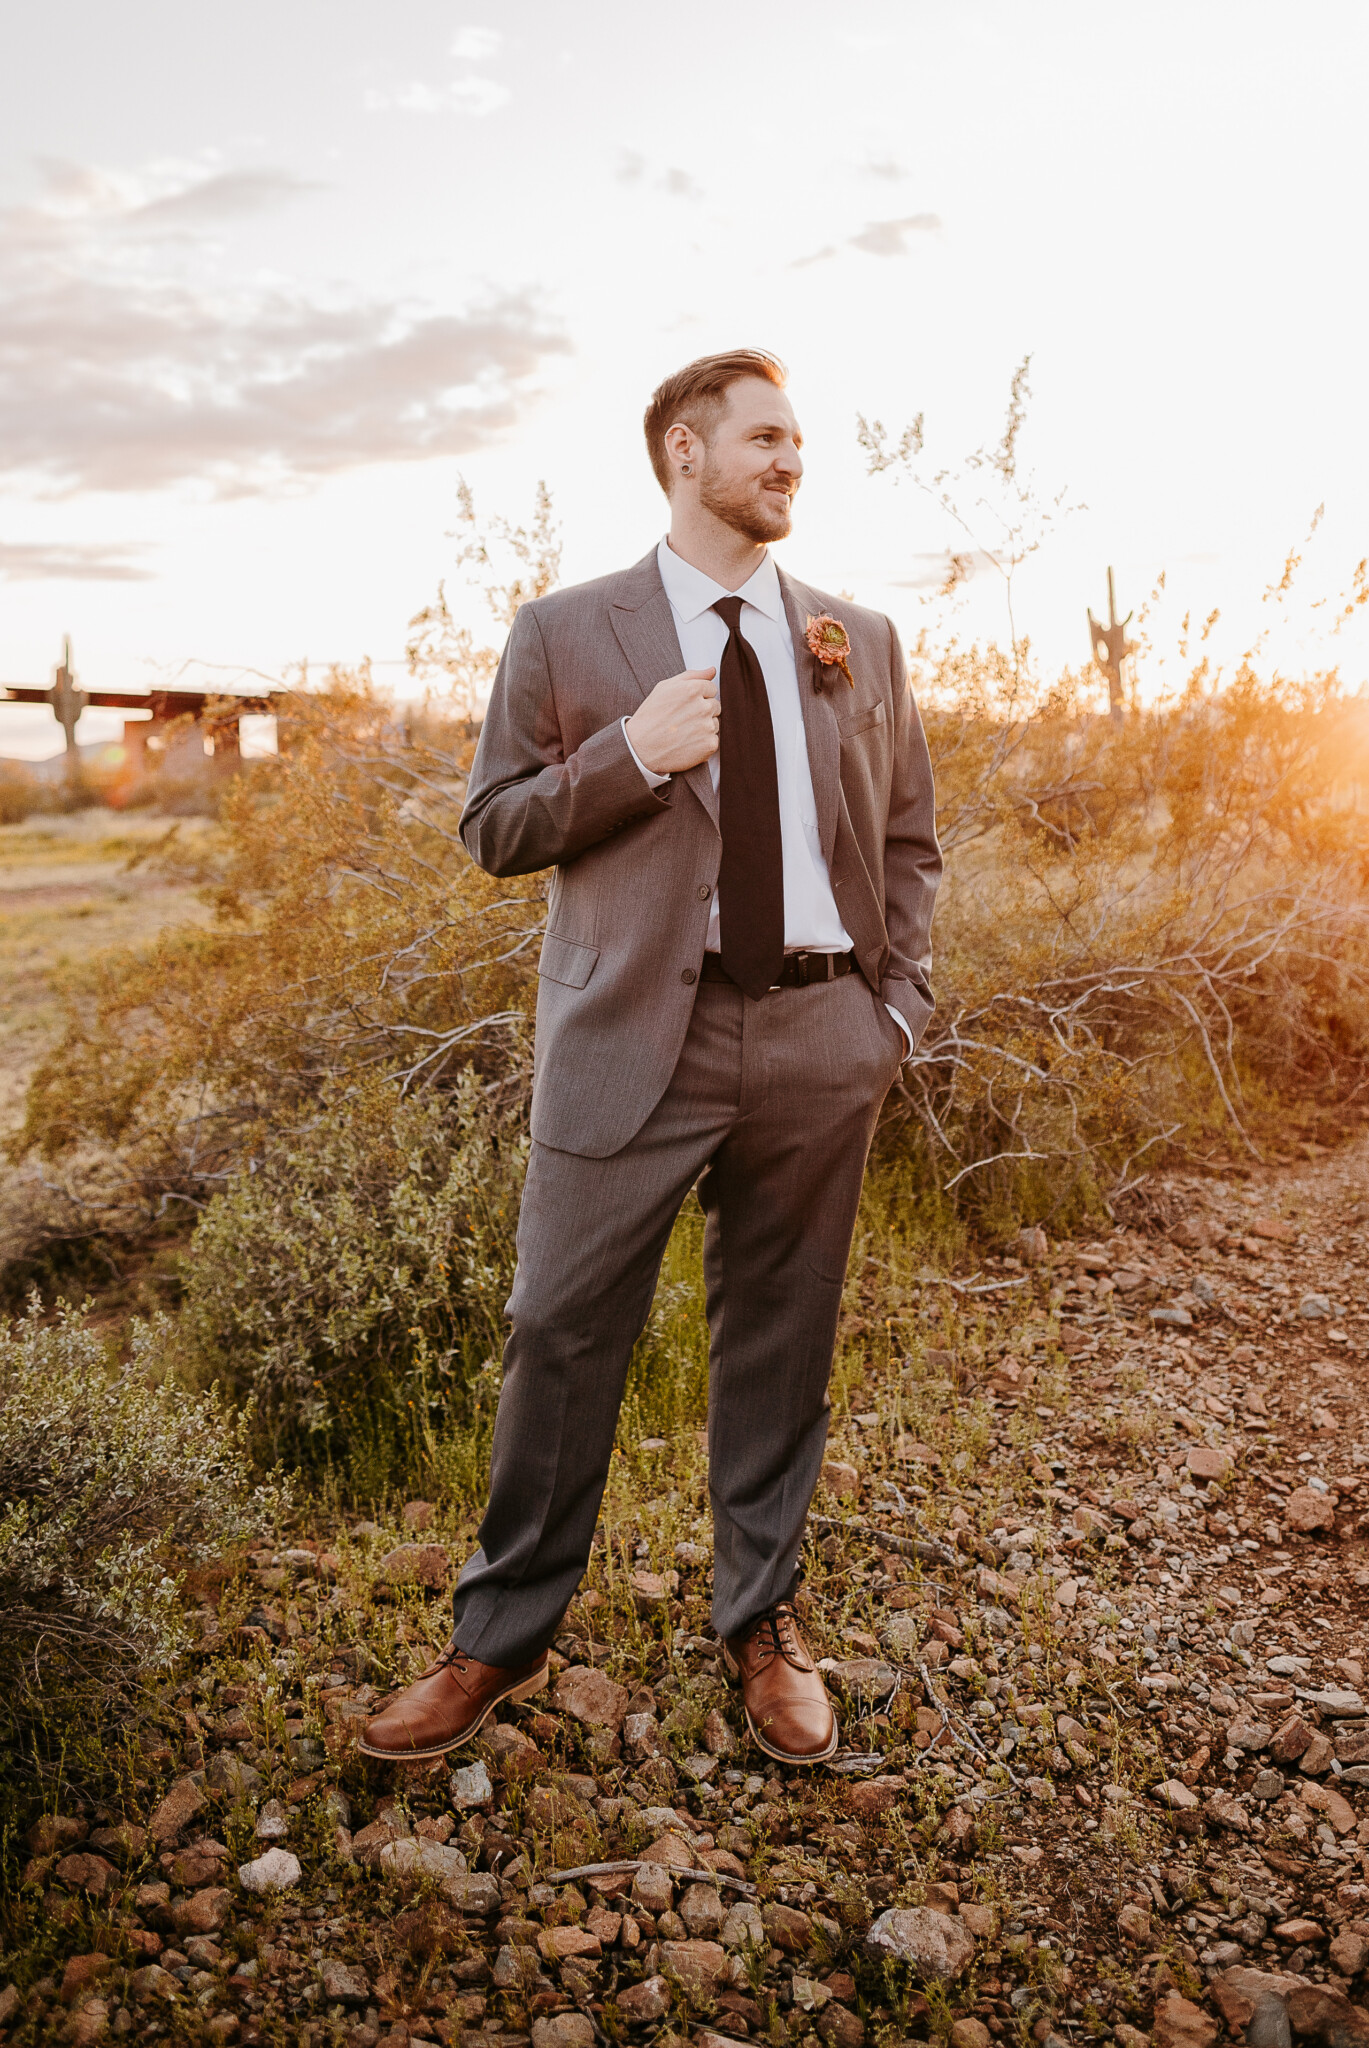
x: 644, y: 627
x: 819, y: 718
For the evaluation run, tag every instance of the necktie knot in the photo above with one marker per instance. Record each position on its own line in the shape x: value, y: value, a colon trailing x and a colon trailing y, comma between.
x: 729, y: 610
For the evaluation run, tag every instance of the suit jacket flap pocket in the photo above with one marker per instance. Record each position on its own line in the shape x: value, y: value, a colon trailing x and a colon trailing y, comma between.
x: 863, y: 716
x: 566, y: 961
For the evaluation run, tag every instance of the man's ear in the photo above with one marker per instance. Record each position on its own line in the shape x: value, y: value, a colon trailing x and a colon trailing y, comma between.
x: 682, y: 445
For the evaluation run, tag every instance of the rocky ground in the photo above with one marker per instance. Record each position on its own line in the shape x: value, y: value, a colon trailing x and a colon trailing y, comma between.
x: 1089, y: 1576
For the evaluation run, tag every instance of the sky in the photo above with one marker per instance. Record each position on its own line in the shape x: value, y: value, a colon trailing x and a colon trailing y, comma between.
x: 275, y: 277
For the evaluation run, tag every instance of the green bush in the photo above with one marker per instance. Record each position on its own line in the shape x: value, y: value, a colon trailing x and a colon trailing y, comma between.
x: 114, y: 1480
x: 361, y: 1264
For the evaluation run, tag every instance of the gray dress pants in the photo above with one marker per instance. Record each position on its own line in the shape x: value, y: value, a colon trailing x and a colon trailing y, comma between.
x: 774, y: 1104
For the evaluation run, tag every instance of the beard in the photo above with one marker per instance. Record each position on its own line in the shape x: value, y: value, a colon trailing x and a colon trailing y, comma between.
x: 757, y: 514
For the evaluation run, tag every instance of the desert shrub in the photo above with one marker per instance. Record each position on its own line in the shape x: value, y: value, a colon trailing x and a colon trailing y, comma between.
x: 114, y: 1481
x: 365, y: 1258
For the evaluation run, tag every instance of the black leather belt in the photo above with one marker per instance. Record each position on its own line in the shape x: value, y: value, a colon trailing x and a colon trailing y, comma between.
x: 800, y: 970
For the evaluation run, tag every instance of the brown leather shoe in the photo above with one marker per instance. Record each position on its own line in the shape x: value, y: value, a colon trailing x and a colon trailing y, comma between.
x: 446, y: 1705
x: 787, y: 1708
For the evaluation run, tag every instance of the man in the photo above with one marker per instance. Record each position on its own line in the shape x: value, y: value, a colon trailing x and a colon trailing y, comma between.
x: 727, y: 772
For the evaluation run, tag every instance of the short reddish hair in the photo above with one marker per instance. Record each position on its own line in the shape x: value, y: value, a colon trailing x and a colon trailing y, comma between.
x: 697, y: 393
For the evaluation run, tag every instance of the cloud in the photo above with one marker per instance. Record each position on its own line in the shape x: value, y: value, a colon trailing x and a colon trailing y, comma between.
x: 39, y: 561
x: 228, y: 195
x: 889, y: 237
x: 120, y: 369
x: 466, y: 95
x: 675, y: 183
x: 878, y: 238
x: 476, y: 45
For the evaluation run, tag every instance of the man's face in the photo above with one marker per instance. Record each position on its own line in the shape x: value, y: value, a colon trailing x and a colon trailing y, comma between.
x: 752, y: 464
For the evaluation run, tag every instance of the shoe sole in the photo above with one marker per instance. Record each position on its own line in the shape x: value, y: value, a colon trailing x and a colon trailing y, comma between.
x: 781, y: 1756
x: 514, y: 1693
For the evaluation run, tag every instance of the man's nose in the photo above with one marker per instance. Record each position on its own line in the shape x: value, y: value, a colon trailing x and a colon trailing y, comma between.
x: 789, y: 462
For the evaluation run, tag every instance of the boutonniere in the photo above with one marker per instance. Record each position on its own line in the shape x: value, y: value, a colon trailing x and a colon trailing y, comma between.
x: 829, y: 646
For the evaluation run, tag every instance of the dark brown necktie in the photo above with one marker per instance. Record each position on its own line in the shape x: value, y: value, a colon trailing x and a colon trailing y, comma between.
x: 751, y: 878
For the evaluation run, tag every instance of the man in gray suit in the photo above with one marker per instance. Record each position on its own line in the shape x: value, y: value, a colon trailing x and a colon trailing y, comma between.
x: 727, y: 772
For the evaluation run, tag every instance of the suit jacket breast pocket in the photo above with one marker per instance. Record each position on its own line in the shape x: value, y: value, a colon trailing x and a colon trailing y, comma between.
x: 861, y: 719
x: 566, y: 960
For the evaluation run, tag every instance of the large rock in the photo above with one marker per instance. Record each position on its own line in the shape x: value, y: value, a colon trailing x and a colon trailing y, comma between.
x: 228, y: 1773
x: 1225, y: 1810
x: 343, y: 1983
x: 1327, y: 2016
x: 369, y: 1842
x: 1308, y: 1510
x: 934, y: 1946
x: 1246, y: 1733
x: 415, y: 1564
x: 276, y: 1871
x: 79, y: 1975
x: 180, y: 1806
x: 653, y: 1887
x: 93, y: 1875
x: 1206, y: 1461
x: 477, y: 1894
x: 1325, y: 1800
x: 591, y: 1697
x: 649, y: 2000
x: 743, y: 1927
x: 413, y: 1858
x: 868, y: 1798
x: 703, y: 1912
x: 1291, y: 1740
x: 1178, y: 2023
x: 470, y: 1786
x: 670, y: 1849
x: 790, y: 1930
x: 562, y: 2030
x: 561, y: 1944
x: 701, y: 1966
x: 204, y: 1912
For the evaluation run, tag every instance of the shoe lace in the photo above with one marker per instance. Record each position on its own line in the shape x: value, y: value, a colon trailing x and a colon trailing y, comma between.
x: 776, y: 1634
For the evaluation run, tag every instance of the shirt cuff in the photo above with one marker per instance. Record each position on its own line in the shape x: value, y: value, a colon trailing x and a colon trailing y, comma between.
x: 654, y: 780
x: 901, y: 1021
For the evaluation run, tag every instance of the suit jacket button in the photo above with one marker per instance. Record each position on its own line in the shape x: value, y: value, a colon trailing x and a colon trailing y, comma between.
x: 704, y: 892
x: 687, y: 975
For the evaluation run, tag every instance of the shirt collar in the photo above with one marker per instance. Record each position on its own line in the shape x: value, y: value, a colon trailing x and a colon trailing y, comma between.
x: 691, y: 593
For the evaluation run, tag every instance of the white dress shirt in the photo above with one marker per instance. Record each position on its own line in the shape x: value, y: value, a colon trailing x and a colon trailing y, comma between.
x: 811, y: 920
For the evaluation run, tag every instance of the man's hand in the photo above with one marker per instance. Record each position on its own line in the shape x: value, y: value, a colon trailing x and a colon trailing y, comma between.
x: 677, y: 726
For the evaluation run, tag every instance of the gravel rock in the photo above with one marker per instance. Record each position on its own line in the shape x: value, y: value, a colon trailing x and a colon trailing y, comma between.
x: 701, y: 1966
x: 562, y: 2030
x: 182, y: 1803
x: 412, y: 1858
x: 703, y: 1912
x: 932, y: 1945
x: 415, y: 1564
x: 471, y: 1787
x: 1179, y: 2023
x: 276, y: 1871
x: 591, y: 1698
x: 343, y: 1983
x: 653, y: 1887
x: 1306, y: 1510
x: 649, y: 2000
x: 228, y: 1773
x: 204, y: 1912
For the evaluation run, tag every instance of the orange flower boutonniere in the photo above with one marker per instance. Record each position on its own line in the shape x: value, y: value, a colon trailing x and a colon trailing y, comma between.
x: 829, y: 645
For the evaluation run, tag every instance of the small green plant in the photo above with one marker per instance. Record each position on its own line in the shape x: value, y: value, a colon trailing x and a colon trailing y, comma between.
x: 114, y: 1481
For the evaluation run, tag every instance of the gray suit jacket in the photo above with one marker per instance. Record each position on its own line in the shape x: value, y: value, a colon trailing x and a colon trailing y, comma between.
x: 554, y: 785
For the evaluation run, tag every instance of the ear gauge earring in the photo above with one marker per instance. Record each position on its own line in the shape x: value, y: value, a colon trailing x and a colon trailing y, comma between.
x: 686, y: 469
